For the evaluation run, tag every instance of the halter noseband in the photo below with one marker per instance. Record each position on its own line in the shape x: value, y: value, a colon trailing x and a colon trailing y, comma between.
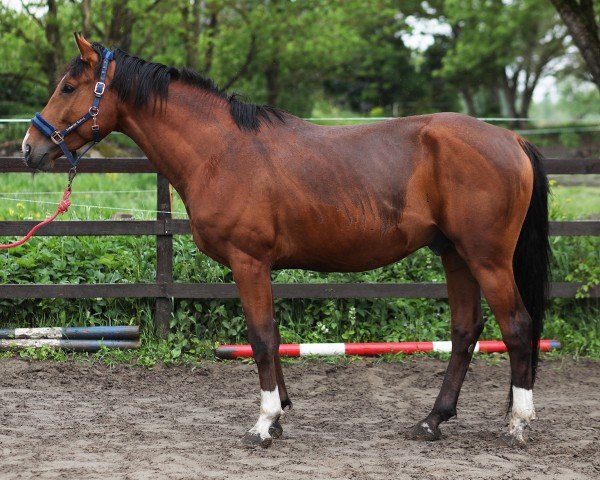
x: 58, y: 137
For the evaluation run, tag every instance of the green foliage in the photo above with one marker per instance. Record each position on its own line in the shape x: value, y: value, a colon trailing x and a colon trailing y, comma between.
x: 489, y: 52
x: 371, y: 77
x: 488, y: 34
x: 501, y: 48
x: 44, y: 353
x: 275, y: 51
x: 577, y: 257
x: 23, y: 82
x: 575, y: 100
x: 577, y: 325
x: 577, y: 201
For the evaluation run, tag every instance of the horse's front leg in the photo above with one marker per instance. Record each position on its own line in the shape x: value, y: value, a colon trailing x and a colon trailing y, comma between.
x: 276, y: 430
x: 254, y: 285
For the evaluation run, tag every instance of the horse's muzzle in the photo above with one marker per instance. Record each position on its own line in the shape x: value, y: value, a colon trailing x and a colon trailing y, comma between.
x: 37, y: 160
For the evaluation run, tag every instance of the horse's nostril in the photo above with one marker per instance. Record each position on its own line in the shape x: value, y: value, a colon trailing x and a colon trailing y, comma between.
x: 27, y: 150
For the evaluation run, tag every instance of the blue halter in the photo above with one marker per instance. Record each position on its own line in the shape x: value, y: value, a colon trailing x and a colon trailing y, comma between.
x: 58, y: 137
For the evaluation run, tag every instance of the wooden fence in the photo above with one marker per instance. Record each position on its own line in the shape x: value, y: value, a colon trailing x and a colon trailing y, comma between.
x: 164, y: 227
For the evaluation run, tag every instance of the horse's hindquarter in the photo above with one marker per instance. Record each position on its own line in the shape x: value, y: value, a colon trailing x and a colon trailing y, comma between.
x: 484, y: 179
x: 351, y: 198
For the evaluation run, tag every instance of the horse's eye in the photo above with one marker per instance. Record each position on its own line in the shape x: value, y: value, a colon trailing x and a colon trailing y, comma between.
x: 68, y: 88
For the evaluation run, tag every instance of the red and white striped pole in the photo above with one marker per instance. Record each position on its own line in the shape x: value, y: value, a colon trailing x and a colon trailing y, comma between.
x: 366, y: 349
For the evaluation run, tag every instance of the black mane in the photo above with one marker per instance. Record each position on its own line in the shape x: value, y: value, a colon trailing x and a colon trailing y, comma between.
x: 139, y: 81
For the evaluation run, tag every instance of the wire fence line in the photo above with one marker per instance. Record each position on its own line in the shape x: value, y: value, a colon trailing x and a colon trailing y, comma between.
x: 545, y: 131
x: 17, y: 197
x: 97, y: 207
x: 484, y: 119
x: 585, y: 126
x: 82, y: 192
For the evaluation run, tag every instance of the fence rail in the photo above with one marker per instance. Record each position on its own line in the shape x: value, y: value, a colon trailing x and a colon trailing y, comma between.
x: 182, y: 227
x: 164, y: 227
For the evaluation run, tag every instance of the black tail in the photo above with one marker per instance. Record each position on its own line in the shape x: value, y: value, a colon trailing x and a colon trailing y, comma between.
x: 531, y: 262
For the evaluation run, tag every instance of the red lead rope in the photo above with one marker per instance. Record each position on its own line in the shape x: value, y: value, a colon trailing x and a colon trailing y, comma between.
x: 63, y: 206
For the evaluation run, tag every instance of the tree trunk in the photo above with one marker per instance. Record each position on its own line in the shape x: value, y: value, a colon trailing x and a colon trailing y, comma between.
x: 509, y: 88
x: 525, y: 104
x: 581, y: 21
x: 530, y: 85
x: 121, y: 26
x: 53, y: 57
x: 467, y: 95
x: 86, y: 15
x: 190, y: 13
x: 272, y: 79
x: 211, y: 33
x: 495, y: 104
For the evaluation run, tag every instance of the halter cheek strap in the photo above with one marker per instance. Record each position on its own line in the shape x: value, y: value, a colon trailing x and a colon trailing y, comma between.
x: 58, y: 136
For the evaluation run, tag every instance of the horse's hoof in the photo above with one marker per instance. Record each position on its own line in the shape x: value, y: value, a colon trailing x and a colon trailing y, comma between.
x: 253, y: 440
x: 276, y: 430
x: 513, y: 441
x: 424, y: 431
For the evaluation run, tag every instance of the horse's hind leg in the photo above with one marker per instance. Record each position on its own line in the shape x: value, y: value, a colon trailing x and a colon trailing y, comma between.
x: 467, y: 324
x: 500, y: 290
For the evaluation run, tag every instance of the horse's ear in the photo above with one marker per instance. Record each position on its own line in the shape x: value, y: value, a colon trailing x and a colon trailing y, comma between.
x: 88, y: 54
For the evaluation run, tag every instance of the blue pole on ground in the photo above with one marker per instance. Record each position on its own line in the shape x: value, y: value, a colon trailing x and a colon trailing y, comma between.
x: 73, y: 345
x: 74, y: 333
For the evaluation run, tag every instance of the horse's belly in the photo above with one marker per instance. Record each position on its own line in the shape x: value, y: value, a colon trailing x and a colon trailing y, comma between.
x: 350, y: 261
x: 356, y: 249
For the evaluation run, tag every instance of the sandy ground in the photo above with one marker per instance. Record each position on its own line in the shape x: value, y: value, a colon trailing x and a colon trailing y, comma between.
x: 83, y: 421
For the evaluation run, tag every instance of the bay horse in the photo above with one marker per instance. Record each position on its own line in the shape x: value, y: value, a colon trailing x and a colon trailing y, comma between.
x: 266, y: 190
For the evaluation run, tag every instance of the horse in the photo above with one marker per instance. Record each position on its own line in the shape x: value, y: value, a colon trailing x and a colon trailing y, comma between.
x: 266, y: 190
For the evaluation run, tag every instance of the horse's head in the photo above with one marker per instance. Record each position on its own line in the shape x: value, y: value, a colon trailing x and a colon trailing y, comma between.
x: 81, y: 110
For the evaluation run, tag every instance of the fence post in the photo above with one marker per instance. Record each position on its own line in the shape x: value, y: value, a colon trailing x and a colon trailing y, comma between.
x: 164, y: 256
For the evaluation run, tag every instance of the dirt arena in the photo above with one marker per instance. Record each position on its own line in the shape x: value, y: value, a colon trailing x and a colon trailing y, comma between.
x: 82, y: 421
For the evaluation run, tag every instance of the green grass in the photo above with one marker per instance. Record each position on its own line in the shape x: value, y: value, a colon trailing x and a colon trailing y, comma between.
x: 94, y: 197
x: 577, y: 202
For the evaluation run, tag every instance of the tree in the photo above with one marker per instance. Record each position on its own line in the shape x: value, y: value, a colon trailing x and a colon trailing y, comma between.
x: 23, y: 84
x: 582, y: 21
x: 383, y: 75
x: 380, y: 76
x: 51, y: 53
x: 440, y: 95
x: 289, y: 52
x: 281, y: 51
x: 540, y: 41
x: 505, y: 48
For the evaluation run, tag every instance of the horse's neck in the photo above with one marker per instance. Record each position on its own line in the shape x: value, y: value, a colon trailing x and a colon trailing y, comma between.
x: 181, y: 139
